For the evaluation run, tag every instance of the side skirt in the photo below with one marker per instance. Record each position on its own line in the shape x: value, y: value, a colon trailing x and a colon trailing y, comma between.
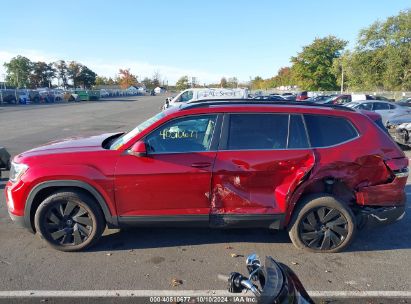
x: 271, y: 221
x: 194, y: 220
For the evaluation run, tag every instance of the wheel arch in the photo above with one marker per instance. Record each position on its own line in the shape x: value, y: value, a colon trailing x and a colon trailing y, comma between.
x: 325, y: 186
x: 44, y: 189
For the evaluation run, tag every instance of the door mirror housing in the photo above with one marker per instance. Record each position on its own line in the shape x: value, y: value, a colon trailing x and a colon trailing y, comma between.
x: 138, y: 149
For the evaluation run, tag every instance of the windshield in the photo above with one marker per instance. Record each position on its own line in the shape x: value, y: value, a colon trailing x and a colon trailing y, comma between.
x: 144, y: 125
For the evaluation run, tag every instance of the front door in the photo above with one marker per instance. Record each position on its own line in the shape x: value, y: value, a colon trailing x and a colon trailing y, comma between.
x: 174, y: 178
x: 262, y: 158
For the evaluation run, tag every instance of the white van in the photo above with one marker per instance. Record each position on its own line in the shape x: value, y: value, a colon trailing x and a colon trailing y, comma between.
x: 206, y: 93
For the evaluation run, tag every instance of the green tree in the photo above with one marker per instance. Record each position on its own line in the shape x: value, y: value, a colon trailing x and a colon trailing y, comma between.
x: 382, y: 56
x: 81, y: 75
x: 87, y: 77
x: 111, y: 81
x: 148, y: 83
x: 73, y: 72
x: 18, y: 71
x: 232, y: 82
x: 223, y: 82
x: 101, y: 80
x: 42, y: 74
x: 156, y: 80
x: 61, y: 72
x: 312, y: 68
x: 182, y: 83
x: 257, y: 83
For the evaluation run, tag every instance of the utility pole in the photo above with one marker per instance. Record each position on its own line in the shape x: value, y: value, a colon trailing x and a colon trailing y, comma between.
x: 342, y: 79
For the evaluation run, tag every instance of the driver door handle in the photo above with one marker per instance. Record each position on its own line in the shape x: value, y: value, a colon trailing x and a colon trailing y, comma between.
x: 201, y: 165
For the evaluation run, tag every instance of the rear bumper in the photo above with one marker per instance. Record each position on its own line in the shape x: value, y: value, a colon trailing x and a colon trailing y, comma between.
x: 371, y: 217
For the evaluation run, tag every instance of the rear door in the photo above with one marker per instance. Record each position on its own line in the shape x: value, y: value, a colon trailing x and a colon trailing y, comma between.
x: 260, y: 161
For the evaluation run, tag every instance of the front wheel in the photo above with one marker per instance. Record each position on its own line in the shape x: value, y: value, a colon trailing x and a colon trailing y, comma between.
x: 69, y: 221
x: 322, y: 224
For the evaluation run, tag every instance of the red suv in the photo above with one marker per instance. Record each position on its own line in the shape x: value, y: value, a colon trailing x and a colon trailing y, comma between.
x: 321, y: 172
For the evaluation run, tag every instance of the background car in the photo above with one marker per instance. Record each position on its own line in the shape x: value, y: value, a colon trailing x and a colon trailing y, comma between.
x: 23, y: 96
x: 302, y: 96
x: 58, y: 95
x: 406, y: 101
x: 318, y: 98
x: 104, y: 93
x: 270, y: 98
x: 8, y: 96
x: 387, y: 110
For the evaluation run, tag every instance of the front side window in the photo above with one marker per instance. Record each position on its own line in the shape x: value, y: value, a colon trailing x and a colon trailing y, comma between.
x: 257, y: 132
x: 325, y: 131
x: 187, y: 134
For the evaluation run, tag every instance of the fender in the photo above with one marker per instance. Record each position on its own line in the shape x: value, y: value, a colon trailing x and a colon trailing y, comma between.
x: 112, y: 221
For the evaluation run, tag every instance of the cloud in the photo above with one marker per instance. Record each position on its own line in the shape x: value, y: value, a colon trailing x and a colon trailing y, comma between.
x: 102, y: 68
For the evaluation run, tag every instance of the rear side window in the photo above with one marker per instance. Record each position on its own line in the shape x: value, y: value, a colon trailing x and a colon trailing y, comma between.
x: 381, y: 106
x: 325, y: 131
x: 257, y: 131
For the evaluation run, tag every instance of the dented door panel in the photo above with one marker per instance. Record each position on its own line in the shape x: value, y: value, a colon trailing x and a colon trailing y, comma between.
x: 257, y: 182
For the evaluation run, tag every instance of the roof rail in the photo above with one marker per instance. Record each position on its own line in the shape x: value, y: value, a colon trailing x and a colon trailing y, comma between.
x: 218, y: 102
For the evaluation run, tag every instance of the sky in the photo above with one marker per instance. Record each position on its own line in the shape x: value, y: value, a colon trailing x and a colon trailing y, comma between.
x: 205, y: 39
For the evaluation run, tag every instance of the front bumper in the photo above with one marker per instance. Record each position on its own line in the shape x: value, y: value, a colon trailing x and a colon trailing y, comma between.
x: 371, y: 217
x: 18, y: 220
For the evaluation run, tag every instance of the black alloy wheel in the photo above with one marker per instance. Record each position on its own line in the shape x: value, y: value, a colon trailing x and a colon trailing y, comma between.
x: 323, y: 228
x: 69, y: 221
x: 322, y: 223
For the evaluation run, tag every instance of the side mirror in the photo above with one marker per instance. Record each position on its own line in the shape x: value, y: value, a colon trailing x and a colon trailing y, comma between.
x: 138, y: 149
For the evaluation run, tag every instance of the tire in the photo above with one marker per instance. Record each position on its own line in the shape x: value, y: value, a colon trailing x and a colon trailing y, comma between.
x: 72, y: 229
x: 321, y: 223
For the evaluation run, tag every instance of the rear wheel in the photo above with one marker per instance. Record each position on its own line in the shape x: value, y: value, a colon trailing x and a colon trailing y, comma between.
x: 69, y: 221
x: 322, y: 224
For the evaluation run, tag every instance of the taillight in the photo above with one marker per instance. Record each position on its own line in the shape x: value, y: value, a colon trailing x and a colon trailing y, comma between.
x: 398, y: 166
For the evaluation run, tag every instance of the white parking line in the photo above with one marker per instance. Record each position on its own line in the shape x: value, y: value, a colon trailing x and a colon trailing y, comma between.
x: 185, y: 293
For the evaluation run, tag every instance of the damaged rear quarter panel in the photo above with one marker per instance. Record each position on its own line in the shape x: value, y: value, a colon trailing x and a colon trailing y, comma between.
x: 360, y: 167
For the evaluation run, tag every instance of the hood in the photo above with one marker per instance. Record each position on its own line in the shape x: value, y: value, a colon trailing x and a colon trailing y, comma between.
x: 74, y: 144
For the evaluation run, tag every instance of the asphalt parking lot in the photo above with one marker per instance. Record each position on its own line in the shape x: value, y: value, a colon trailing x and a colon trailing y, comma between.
x: 149, y: 259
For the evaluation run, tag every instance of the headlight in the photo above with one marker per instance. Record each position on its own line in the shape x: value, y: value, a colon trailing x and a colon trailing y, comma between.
x: 16, y: 171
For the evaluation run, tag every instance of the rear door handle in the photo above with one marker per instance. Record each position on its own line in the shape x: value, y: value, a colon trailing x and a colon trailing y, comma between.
x: 201, y: 165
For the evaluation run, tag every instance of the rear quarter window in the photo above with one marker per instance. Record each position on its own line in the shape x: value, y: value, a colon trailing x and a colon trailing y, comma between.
x: 325, y: 131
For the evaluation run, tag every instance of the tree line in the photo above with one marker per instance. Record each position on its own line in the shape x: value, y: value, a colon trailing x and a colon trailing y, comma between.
x: 380, y: 60
x: 125, y: 79
x: 21, y: 72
